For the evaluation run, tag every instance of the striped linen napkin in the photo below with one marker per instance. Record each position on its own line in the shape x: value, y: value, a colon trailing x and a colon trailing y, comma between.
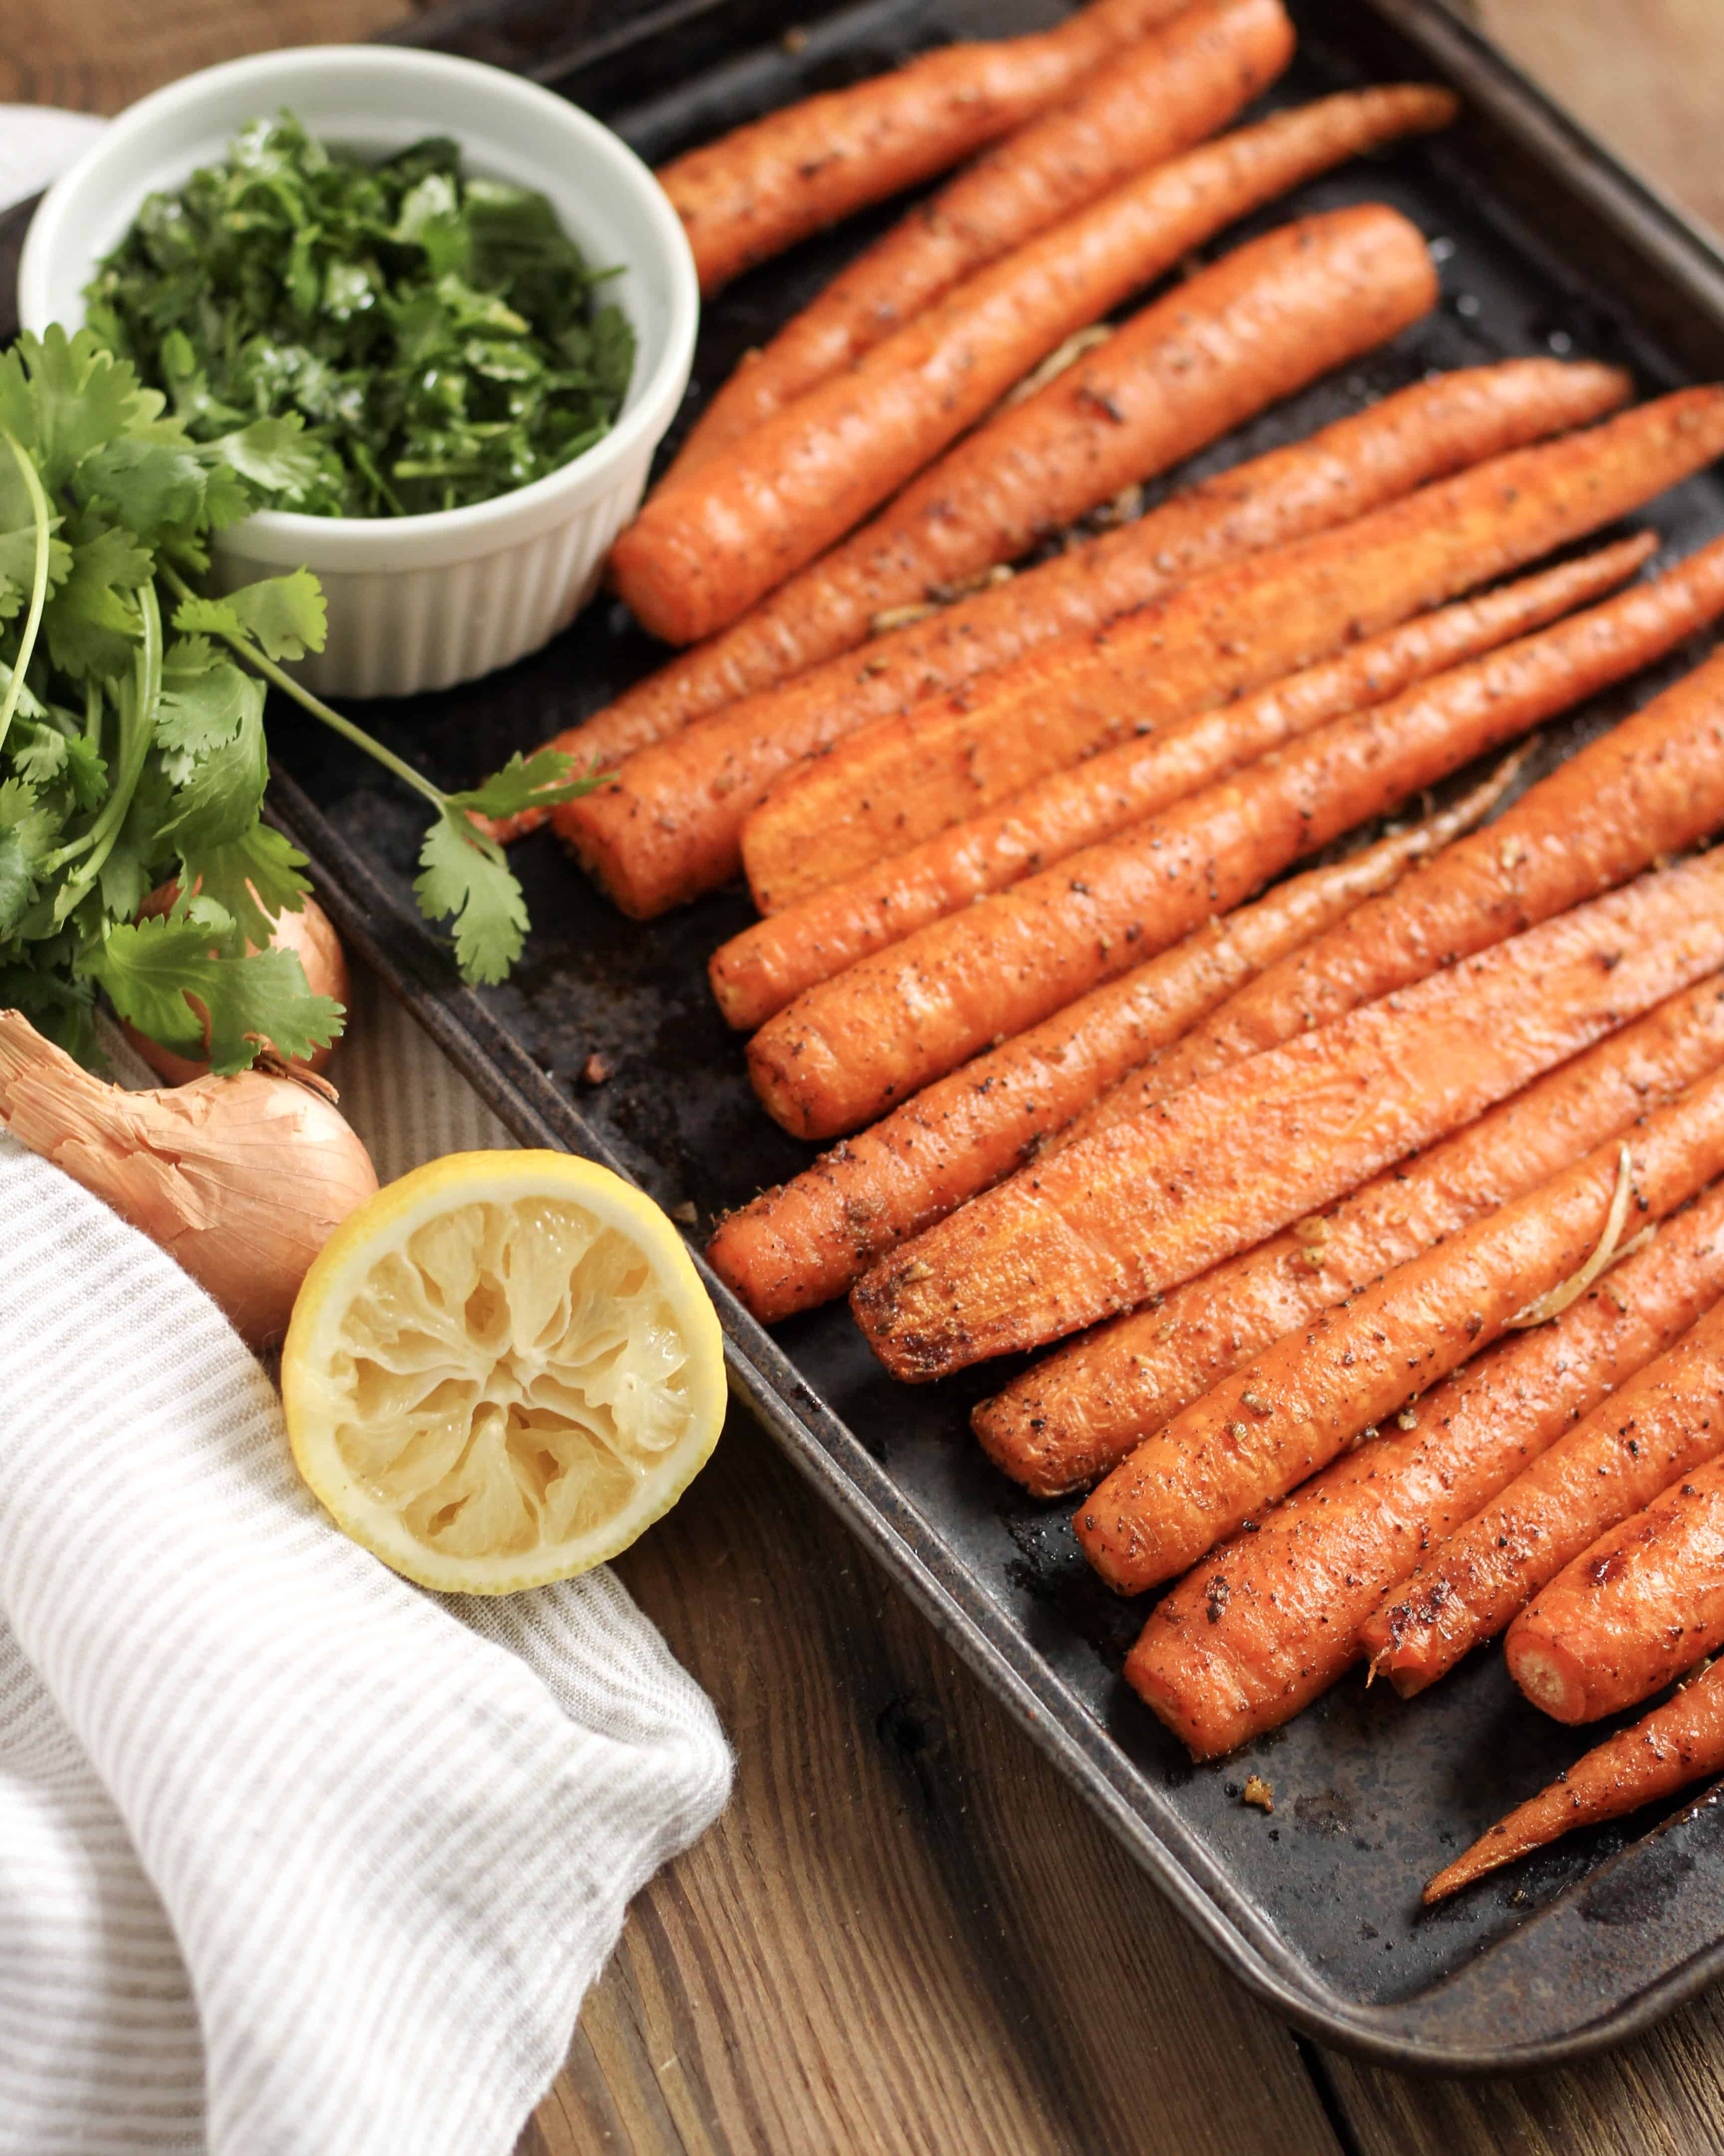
x: 294, y: 1859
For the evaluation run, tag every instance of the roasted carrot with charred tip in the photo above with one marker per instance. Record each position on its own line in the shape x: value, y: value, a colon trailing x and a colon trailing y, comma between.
x: 899, y: 780
x: 1649, y: 787
x: 1157, y: 97
x: 1664, y: 1423
x: 1263, y: 320
x: 1345, y: 469
x: 845, y: 1051
x: 808, y: 1240
x: 1073, y: 1417
x: 1268, y: 1622
x: 1680, y: 1742
x: 1289, y: 1412
x: 766, y: 966
x: 701, y: 552
x: 1103, y: 1226
x: 1644, y: 1603
x: 762, y: 186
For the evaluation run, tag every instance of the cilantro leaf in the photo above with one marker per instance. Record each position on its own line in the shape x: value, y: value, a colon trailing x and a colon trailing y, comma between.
x: 27, y: 827
x: 29, y: 706
x: 39, y: 754
x: 150, y: 969
x: 278, y: 457
x: 86, y: 772
x: 23, y: 812
x: 90, y: 624
x: 18, y: 882
x: 285, y: 615
x: 464, y: 874
x: 206, y: 698
x: 152, y: 487
x: 225, y: 499
x: 187, y: 385
x: 63, y: 397
x: 125, y: 880
x: 255, y: 878
x: 611, y: 350
x: 48, y: 755
x: 139, y: 854
x: 539, y: 781
x: 430, y: 217
x: 434, y: 332
x: 216, y: 799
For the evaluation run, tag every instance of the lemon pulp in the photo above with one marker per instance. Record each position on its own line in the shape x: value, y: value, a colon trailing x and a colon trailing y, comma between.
x: 501, y: 1369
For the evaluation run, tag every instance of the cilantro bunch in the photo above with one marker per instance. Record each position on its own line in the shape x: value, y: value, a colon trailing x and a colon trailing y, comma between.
x: 131, y: 726
x: 436, y: 333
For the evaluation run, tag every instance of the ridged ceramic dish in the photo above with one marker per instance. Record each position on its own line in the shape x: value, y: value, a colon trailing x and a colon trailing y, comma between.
x: 415, y: 602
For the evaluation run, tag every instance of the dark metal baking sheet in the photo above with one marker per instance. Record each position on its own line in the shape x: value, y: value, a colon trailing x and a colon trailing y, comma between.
x: 1545, y: 246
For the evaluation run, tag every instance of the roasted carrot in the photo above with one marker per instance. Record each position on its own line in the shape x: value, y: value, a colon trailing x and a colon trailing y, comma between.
x: 762, y: 186
x: 1271, y: 1619
x: 1680, y: 1742
x: 1074, y: 1416
x: 1103, y: 1226
x: 760, y: 971
x: 667, y: 826
x: 1650, y: 787
x: 844, y: 1051
x: 806, y: 1241
x: 1262, y: 1431
x: 1157, y: 97
x: 1630, y: 1614
x: 1357, y: 464
x: 899, y: 780
x: 700, y: 553
x: 1668, y: 1421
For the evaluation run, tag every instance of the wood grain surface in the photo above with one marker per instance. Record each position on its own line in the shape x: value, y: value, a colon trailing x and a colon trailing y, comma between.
x: 1646, y: 76
x: 906, y: 1934
x: 98, y: 55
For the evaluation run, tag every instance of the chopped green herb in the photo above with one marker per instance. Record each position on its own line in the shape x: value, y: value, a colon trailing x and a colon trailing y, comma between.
x: 132, y: 727
x: 434, y: 335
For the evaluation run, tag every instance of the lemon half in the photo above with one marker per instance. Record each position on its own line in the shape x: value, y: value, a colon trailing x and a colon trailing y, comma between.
x: 501, y: 1369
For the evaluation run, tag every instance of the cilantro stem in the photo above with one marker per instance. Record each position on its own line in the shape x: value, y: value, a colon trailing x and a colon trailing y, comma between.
x: 465, y: 872
x: 38, y: 587
x: 136, y: 737
x: 254, y: 657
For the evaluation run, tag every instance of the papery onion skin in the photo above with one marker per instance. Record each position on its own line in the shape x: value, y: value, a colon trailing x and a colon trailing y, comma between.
x: 311, y: 932
x: 243, y: 1180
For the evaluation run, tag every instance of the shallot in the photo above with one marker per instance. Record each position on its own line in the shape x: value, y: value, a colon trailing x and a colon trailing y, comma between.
x: 243, y: 1180
x: 310, y: 934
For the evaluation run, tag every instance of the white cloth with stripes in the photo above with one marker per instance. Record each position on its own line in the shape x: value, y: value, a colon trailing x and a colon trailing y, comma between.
x: 295, y: 1860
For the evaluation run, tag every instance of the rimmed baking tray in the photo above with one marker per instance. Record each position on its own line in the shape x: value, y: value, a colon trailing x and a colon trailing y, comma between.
x: 1546, y: 245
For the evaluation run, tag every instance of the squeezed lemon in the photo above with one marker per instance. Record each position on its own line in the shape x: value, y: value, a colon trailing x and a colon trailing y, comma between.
x: 500, y: 1370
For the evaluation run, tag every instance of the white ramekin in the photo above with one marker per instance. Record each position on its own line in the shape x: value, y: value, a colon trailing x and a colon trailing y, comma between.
x: 415, y: 601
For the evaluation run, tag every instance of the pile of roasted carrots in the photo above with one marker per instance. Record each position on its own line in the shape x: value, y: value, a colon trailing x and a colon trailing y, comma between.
x: 1378, y: 1210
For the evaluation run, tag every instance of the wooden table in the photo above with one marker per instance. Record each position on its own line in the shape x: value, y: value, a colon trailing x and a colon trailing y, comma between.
x: 906, y: 1934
